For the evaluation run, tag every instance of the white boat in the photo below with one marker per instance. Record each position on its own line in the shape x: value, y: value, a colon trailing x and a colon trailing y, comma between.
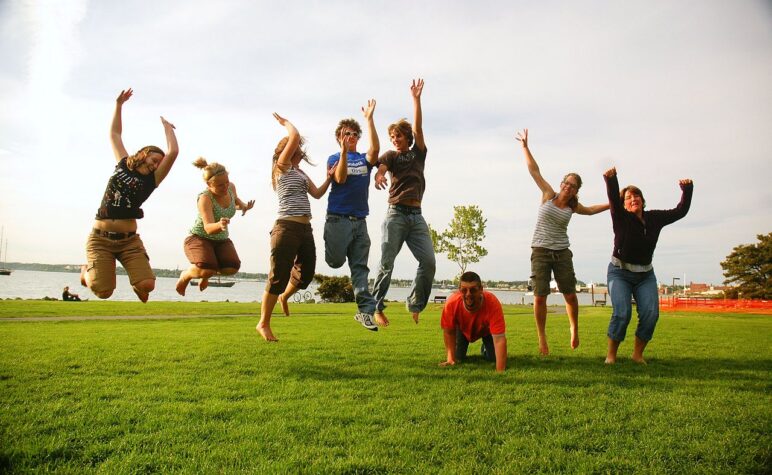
x: 216, y: 282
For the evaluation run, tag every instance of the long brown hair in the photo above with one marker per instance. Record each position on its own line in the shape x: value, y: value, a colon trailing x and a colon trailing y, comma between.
x: 133, y: 161
x: 574, y: 202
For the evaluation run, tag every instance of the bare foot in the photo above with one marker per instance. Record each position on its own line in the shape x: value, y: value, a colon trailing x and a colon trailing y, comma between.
x: 574, y: 339
x: 610, y: 360
x: 266, y: 333
x: 182, y: 284
x: 143, y: 296
x: 381, y: 320
x: 639, y: 360
x: 83, y: 269
x: 415, y: 317
x: 203, y: 284
x: 284, y: 305
x: 544, y: 349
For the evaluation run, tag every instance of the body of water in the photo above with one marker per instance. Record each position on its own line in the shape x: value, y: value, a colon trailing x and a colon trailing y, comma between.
x: 36, y: 285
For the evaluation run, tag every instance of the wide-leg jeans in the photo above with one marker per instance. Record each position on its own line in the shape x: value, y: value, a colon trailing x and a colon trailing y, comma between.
x: 347, y: 238
x: 622, y: 284
x: 398, y: 228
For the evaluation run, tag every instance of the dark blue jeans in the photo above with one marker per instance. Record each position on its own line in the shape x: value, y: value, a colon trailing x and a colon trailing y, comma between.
x: 487, y: 350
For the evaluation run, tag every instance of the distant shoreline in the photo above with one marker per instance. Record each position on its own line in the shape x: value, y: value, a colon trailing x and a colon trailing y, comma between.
x: 443, y: 284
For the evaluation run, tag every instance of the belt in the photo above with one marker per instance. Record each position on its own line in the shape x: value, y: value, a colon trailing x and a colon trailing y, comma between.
x: 407, y: 209
x: 113, y: 236
x: 350, y: 218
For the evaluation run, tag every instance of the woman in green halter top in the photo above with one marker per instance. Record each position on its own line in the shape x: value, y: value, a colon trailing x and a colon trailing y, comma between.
x: 208, y: 248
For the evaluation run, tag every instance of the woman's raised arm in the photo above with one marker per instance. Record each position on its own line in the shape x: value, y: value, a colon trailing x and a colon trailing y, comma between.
x: 171, y: 154
x: 547, y: 193
x: 116, y: 127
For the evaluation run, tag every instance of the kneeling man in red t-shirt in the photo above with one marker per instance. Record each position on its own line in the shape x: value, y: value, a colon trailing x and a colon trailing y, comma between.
x: 471, y: 314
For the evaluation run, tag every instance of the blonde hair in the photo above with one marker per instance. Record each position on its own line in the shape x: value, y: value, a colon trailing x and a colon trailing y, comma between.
x: 133, y: 161
x: 277, y: 153
x: 211, y: 170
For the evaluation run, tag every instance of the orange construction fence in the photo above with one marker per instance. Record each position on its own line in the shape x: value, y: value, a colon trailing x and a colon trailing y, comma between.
x: 704, y: 304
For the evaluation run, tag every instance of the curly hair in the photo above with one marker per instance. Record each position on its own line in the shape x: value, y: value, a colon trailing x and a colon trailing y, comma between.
x: 350, y: 124
x: 404, y: 128
x: 211, y: 170
x: 133, y: 161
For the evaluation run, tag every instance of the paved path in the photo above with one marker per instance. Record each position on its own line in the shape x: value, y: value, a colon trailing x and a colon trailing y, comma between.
x: 114, y: 317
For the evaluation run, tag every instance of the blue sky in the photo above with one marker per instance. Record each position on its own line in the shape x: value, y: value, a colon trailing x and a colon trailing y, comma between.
x: 662, y: 90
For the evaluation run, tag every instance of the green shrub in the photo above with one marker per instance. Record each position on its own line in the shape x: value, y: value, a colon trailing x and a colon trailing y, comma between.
x: 335, y: 289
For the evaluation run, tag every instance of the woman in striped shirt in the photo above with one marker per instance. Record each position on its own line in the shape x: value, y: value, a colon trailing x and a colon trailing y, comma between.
x: 293, y: 252
x: 550, y: 253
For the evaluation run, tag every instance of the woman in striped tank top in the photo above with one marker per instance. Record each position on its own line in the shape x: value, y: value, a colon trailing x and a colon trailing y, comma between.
x: 293, y: 252
x: 550, y: 253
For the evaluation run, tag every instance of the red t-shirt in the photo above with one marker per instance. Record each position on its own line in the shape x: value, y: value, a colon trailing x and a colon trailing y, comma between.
x: 489, y: 320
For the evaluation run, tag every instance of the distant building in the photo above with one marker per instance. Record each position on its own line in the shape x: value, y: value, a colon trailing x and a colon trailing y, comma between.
x: 698, y: 288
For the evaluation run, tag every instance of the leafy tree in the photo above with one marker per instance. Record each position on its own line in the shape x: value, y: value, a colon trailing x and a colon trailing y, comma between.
x: 335, y: 289
x: 461, y: 241
x: 749, y: 266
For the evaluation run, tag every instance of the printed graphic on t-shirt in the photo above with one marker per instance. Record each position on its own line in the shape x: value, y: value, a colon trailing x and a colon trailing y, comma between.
x: 358, y: 170
x: 122, y: 188
x: 404, y: 158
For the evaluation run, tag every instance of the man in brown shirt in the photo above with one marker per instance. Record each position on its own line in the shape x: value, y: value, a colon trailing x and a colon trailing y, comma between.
x: 404, y: 222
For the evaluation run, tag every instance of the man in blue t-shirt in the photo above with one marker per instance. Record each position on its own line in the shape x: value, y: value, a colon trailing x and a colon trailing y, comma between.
x: 345, y: 229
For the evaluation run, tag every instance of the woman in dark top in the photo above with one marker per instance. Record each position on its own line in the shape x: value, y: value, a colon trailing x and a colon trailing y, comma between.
x: 114, y: 235
x: 630, y: 272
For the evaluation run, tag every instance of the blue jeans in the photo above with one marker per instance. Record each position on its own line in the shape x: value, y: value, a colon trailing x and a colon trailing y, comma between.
x: 487, y: 349
x: 398, y: 228
x: 622, y: 284
x: 346, y: 238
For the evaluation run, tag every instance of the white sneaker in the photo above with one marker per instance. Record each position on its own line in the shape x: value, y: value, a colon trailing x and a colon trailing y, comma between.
x: 367, y: 321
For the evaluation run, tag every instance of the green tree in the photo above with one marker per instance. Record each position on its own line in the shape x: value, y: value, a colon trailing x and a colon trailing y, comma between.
x: 461, y: 241
x: 335, y: 289
x: 749, y: 267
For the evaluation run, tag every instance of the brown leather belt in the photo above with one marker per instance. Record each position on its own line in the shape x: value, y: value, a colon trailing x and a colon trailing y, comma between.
x: 113, y: 236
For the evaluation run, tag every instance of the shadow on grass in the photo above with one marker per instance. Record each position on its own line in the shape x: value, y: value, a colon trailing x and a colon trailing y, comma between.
x: 576, y: 372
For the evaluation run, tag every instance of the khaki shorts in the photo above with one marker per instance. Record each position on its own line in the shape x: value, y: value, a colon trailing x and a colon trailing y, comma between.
x: 211, y: 254
x: 544, y: 263
x: 101, y: 254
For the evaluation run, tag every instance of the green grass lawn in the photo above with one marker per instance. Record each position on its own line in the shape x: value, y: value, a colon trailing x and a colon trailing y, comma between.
x: 207, y: 395
x: 58, y: 308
